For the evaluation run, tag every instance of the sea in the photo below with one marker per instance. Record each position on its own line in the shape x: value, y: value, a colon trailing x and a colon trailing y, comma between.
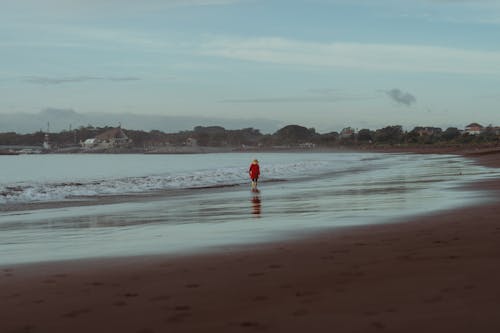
x: 57, y: 207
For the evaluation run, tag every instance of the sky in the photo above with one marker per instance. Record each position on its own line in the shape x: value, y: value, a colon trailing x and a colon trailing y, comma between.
x: 326, y: 64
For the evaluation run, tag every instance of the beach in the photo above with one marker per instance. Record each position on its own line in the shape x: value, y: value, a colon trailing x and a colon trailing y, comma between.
x: 435, y: 272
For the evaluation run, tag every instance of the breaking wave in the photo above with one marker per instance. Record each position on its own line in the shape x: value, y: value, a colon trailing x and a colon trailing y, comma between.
x: 27, y: 192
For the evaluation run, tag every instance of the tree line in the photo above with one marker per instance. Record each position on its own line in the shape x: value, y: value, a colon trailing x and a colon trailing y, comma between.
x: 288, y: 136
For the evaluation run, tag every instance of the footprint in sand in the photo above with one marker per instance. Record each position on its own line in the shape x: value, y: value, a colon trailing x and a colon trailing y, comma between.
x: 327, y: 258
x: 251, y: 324
x: 305, y: 297
x: 160, y: 298
x: 182, y: 312
x: 192, y: 285
x: 434, y: 299
x: 76, y: 313
x: 300, y: 313
x: 182, y: 308
x: 448, y: 290
x: 145, y: 330
x: 340, y: 251
x: 120, y: 303
x: 166, y: 265
x: 27, y: 329
x: 370, y: 313
x: 390, y: 240
x: 178, y: 317
x: 60, y: 276
x: 378, y: 325
x: 95, y: 284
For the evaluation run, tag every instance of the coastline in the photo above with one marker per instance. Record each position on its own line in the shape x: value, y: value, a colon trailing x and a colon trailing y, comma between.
x: 433, y: 273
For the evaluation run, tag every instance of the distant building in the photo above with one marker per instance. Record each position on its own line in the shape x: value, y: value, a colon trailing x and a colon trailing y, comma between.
x: 427, y: 131
x: 347, y: 133
x: 112, y: 138
x: 307, y: 145
x: 46, y: 143
x: 191, y: 142
x: 474, y: 129
x: 89, y: 143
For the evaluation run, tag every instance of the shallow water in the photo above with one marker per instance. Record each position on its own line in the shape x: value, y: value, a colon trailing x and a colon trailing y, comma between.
x: 190, y: 211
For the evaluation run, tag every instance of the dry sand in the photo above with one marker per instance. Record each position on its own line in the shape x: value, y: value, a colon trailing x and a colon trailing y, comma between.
x: 438, y: 273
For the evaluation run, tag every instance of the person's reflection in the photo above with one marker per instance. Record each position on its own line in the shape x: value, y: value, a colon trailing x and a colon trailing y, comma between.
x: 256, y: 205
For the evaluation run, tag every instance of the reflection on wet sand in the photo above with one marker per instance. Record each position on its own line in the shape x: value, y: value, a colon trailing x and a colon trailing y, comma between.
x: 256, y: 205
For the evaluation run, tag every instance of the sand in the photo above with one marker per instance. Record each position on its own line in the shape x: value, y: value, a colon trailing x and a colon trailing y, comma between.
x: 435, y: 273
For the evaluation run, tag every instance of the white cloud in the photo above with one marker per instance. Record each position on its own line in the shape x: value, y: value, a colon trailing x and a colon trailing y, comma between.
x: 28, y: 11
x: 324, y: 95
x: 144, y: 5
x: 76, y: 79
x: 359, y: 56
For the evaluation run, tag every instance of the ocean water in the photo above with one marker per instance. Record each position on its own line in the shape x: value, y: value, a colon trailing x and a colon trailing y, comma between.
x: 60, y: 207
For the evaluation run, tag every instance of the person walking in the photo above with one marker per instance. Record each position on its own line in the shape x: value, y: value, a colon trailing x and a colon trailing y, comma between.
x: 254, y: 172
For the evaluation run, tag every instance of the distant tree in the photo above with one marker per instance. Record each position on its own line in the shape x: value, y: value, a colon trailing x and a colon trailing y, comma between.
x: 294, y: 134
x: 210, y: 135
x: 9, y: 138
x: 365, y: 135
x: 389, y: 134
x: 488, y: 135
x: 328, y: 139
x: 450, y: 134
x: 424, y: 135
x: 266, y: 140
x: 209, y: 129
x: 202, y: 138
x: 246, y: 136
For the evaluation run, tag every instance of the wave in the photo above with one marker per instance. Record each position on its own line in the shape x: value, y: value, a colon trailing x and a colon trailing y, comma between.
x: 210, y: 178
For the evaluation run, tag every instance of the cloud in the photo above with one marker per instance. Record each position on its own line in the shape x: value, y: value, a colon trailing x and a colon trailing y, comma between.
x: 401, y: 97
x: 313, y: 96
x: 63, y: 118
x: 75, y: 79
x: 358, y: 56
x: 109, y: 7
x: 460, y: 1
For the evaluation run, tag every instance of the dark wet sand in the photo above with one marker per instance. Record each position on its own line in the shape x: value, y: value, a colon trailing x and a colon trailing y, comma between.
x: 438, y: 273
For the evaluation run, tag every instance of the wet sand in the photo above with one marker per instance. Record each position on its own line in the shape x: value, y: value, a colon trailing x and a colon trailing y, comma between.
x: 436, y: 273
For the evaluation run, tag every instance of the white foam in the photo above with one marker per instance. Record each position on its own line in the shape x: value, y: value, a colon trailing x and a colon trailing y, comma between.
x: 25, y: 192
x: 48, y: 177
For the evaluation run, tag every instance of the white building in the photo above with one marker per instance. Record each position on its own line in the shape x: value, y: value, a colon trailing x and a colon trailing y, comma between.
x: 474, y: 129
x: 112, y: 138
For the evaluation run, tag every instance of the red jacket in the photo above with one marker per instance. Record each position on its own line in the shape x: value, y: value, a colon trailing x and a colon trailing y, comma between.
x: 254, y: 171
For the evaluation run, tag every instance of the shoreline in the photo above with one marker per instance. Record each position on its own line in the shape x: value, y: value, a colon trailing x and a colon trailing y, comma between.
x: 434, y: 273
x: 486, y: 155
x: 190, y: 150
